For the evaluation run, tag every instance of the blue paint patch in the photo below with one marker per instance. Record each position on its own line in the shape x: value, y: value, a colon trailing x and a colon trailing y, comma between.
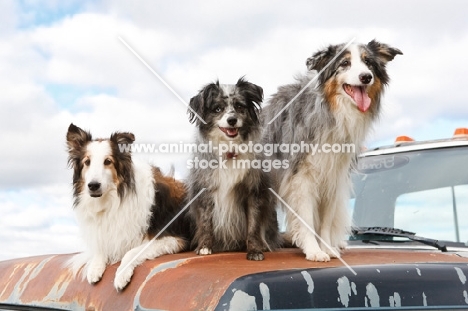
x: 30, y: 272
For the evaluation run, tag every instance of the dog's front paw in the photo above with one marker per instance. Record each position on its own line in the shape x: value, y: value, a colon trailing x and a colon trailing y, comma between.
x: 333, y: 252
x: 95, y: 272
x: 255, y: 255
x: 203, y: 251
x: 318, y: 256
x: 122, y: 277
x: 342, y: 245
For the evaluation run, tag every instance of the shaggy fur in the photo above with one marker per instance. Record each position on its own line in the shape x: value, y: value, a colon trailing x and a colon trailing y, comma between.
x: 121, y: 205
x: 236, y: 212
x: 338, y: 108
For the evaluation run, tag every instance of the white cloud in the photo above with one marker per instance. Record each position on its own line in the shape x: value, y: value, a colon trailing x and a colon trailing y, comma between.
x: 8, y: 16
x: 38, y: 221
x: 85, y: 49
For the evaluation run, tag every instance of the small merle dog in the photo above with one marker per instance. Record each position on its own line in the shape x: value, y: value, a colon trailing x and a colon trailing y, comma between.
x: 236, y: 211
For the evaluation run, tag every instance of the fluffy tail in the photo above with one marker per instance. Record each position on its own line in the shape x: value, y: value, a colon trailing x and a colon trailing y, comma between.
x: 78, y: 264
x: 171, y: 172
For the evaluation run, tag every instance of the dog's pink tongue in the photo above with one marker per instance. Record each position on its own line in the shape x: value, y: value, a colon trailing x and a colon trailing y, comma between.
x: 360, y: 96
x: 231, y: 132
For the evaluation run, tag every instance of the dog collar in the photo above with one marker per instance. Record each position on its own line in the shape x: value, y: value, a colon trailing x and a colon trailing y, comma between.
x: 231, y: 155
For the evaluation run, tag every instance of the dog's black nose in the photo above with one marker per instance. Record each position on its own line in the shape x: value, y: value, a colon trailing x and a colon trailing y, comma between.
x: 94, y: 186
x: 365, y: 78
x: 232, y: 121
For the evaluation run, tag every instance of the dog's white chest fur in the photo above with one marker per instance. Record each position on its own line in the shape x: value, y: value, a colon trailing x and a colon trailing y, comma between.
x: 229, y: 219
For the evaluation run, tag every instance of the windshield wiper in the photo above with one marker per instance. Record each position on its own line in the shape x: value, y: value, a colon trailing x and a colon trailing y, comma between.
x: 394, y: 232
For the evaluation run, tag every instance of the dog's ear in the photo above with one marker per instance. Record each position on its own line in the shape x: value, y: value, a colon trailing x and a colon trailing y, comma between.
x: 195, y: 107
x: 321, y: 58
x: 385, y: 52
x: 76, y: 138
x: 201, y: 101
x: 251, y: 91
x: 122, y: 138
x: 123, y: 153
x: 253, y: 95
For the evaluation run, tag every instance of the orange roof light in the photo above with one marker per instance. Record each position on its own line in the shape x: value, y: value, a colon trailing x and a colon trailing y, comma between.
x: 403, y: 139
x: 461, y: 132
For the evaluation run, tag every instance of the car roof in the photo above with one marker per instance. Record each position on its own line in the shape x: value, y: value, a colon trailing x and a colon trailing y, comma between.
x: 180, y: 281
x: 417, y: 145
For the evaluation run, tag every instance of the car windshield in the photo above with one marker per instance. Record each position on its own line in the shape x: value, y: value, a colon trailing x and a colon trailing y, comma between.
x: 422, y: 191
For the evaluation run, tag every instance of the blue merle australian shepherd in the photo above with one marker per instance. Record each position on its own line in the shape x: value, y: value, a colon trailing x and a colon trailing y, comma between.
x: 338, y: 107
x: 235, y: 212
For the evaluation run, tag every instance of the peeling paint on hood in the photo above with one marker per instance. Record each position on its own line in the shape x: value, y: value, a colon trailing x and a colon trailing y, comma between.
x: 283, y: 280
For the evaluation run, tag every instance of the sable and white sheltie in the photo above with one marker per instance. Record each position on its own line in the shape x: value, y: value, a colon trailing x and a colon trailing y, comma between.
x: 121, y: 205
x: 338, y: 107
x: 235, y: 211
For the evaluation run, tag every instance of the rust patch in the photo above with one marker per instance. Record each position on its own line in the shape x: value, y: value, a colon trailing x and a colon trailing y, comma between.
x: 201, y: 281
x: 172, y: 282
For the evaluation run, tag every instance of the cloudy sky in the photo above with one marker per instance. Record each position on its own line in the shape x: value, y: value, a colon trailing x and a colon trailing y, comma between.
x: 63, y: 62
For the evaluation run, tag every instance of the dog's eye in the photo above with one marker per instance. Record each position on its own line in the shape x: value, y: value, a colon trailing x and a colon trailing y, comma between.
x: 107, y: 162
x: 240, y: 108
x: 217, y: 109
x: 344, y: 63
x: 366, y: 61
x: 87, y: 162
